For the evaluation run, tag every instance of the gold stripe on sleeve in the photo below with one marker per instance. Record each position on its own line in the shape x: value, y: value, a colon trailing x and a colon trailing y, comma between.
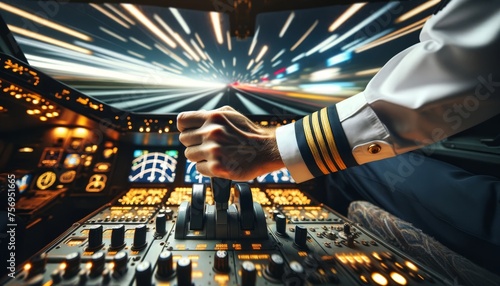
x: 321, y: 142
x: 312, y: 145
x: 331, y: 140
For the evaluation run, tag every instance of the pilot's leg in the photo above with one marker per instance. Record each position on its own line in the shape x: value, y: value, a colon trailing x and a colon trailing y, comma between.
x: 459, y: 209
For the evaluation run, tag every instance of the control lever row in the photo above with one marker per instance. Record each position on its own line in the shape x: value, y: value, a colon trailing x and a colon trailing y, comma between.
x: 242, y: 219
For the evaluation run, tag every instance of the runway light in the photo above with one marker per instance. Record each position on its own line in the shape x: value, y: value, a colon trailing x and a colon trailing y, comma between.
x: 215, y: 17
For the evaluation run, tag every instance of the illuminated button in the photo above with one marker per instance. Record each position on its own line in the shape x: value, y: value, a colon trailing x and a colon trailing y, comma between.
x: 376, y: 256
x: 398, y: 278
x: 374, y: 149
x: 411, y: 266
x: 379, y: 278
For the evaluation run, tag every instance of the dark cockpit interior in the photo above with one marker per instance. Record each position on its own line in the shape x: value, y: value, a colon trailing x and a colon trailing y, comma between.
x: 89, y: 96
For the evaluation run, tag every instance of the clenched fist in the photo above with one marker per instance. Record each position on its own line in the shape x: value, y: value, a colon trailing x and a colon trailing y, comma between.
x: 226, y: 144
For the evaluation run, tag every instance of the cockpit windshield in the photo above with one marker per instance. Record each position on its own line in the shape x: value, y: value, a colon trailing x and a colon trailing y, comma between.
x: 165, y: 60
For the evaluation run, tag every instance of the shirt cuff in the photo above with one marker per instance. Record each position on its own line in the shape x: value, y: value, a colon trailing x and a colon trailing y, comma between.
x: 290, y: 153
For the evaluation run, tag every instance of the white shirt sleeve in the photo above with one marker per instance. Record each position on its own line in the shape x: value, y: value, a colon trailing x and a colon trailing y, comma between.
x: 447, y: 83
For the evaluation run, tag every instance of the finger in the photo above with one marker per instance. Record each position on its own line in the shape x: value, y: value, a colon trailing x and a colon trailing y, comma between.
x: 211, y: 169
x: 195, y: 154
x: 191, y: 137
x: 226, y: 108
x: 191, y: 119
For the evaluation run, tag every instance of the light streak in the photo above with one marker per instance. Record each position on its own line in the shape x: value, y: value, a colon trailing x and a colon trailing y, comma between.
x: 119, y: 13
x: 359, y: 26
x: 305, y: 35
x: 367, y: 72
x: 199, y: 40
x: 278, y: 55
x: 287, y: 24
x: 167, y: 68
x: 181, y: 21
x: 223, y: 63
x: 136, y: 54
x: 353, y: 43
x: 175, y: 66
x: 276, y: 63
x: 234, y: 61
x: 416, y: 11
x: 345, y: 16
x: 186, y: 47
x: 171, y: 54
x: 261, y: 54
x: 140, y: 43
x: 44, y: 22
x: 250, y: 64
x: 109, y: 15
x: 394, y: 35
x: 254, y: 41
x: 49, y: 40
x: 322, y: 44
x: 148, y: 24
x: 228, y: 36
x: 198, y: 50
x: 215, y: 17
x: 298, y: 57
x: 187, y: 55
x: 209, y: 58
x: 252, y: 107
x: 113, y: 34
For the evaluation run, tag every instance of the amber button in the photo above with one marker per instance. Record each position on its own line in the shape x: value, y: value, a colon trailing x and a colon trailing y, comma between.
x: 374, y: 148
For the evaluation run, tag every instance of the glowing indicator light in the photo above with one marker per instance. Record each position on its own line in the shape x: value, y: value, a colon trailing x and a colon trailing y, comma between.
x: 379, y: 279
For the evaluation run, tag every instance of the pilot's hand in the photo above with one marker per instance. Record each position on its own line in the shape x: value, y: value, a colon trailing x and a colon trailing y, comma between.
x: 226, y: 144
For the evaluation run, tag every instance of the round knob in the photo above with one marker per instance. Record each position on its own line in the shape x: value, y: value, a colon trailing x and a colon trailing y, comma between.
x: 300, y: 236
x: 161, y: 227
x: 165, y: 265
x: 82, y: 276
x: 281, y: 225
x: 169, y: 214
x: 143, y: 274
x: 56, y: 276
x: 120, y: 263
x: 95, y: 237
x: 248, y: 273
x: 295, y: 275
x: 37, y: 265
x: 72, y: 262
x: 140, y: 237
x: 118, y: 237
x: 276, y: 267
x: 98, y: 262
x: 221, y: 261
x: 184, y: 269
x: 275, y: 214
